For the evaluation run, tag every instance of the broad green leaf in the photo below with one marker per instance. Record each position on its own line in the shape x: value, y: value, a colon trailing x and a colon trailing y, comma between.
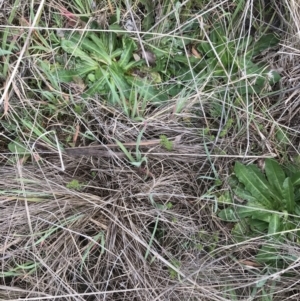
x: 125, y: 151
x: 105, y: 38
x: 266, y: 41
x: 297, y: 209
x: 275, y: 174
x: 267, y: 254
x: 275, y: 224
x: 295, y: 179
x: 116, y: 96
x: 225, y: 198
x: 226, y: 54
x: 255, y: 183
x: 262, y: 216
x: 67, y: 76
x: 186, y: 60
x: 206, y: 49
x: 244, y: 194
x: 271, y: 192
x: 149, y: 14
x: 258, y: 226
x: 245, y: 42
x: 116, y: 53
x: 218, y: 35
x: 119, y: 79
x: 243, y: 212
x: 73, y: 49
x: 254, y: 210
x: 288, y: 194
x: 117, y: 29
x: 228, y: 215
x: 233, y: 182
x: 17, y: 148
x: 241, y: 230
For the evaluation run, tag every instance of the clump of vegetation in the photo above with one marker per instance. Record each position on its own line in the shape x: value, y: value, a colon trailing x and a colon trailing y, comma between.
x: 75, y: 185
x: 271, y: 208
x: 166, y: 143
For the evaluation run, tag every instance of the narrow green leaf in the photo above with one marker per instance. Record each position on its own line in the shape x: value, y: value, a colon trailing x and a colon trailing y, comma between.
x: 67, y: 76
x: 101, y: 49
x: 4, y: 52
x: 146, y: 90
x: 128, y: 47
x: 275, y: 224
x: 38, y: 130
x: 132, y: 64
x: 255, y: 183
x: 120, y: 80
x: 138, y: 142
x: 288, y: 194
x: 73, y: 49
x: 125, y: 151
x: 96, y: 87
x: 45, y: 68
x: 116, y: 53
x: 275, y: 174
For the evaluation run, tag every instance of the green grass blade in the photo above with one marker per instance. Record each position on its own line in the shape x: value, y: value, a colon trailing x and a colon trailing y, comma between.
x: 45, y: 66
x: 152, y: 238
x: 125, y: 151
x: 138, y: 142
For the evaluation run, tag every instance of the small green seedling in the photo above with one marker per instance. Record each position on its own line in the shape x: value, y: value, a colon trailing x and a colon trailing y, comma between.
x: 74, y: 185
x: 166, y: 143
x: 139, y: 159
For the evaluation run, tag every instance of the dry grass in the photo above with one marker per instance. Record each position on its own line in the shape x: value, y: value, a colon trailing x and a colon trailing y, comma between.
x: 128, y: 233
